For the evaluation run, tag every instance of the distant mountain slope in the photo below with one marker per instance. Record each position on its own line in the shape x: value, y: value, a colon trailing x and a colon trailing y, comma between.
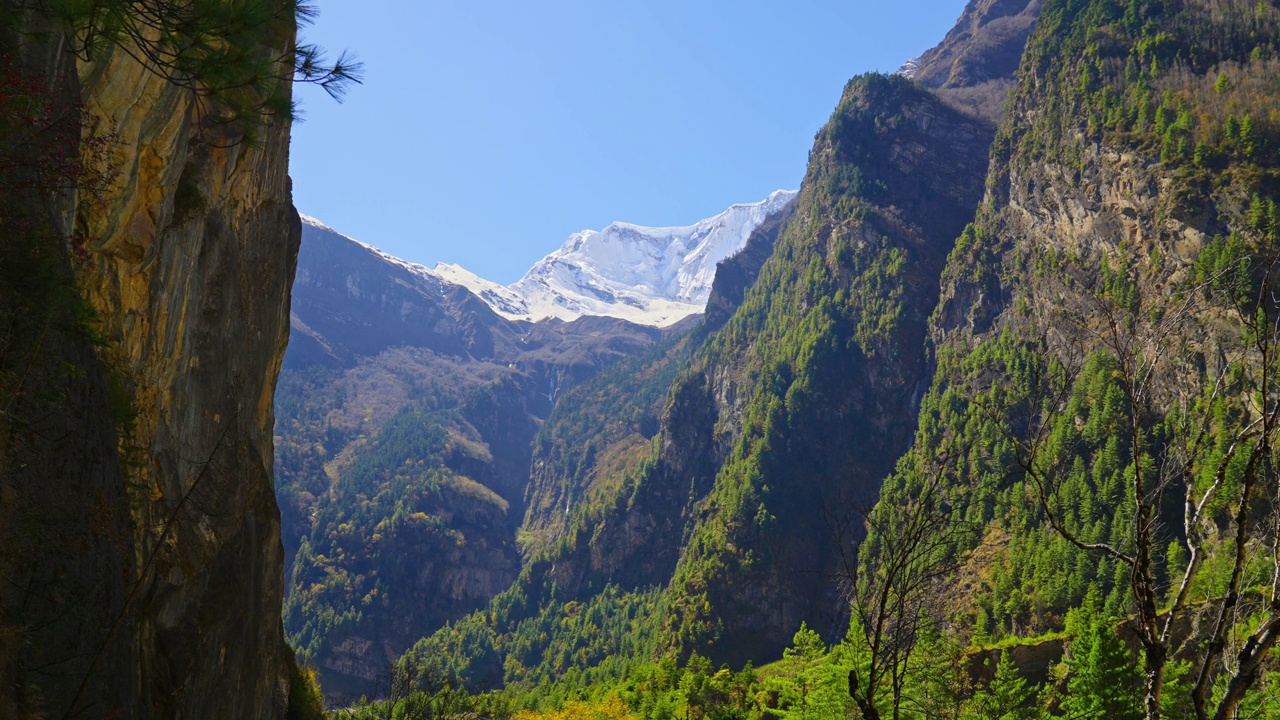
x: 973, y: 67
x: 350, y: 300
x: 404, y: 396
x: 353, y: 301
x: 651, y: 276
x: 406, y: 414
x: 716, y: 511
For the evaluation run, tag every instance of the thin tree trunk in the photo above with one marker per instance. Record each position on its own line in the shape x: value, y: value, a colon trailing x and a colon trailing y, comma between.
x: 1153, y: 680
x: 1251, y: 656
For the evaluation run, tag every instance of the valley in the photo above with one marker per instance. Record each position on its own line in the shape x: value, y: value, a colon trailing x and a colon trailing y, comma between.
x: 407, y: 396
x: 981, y: 422
x: 881, y: 446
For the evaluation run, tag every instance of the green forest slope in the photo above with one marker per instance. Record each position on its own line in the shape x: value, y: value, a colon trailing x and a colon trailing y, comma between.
x: 720, y: 535
x: 1099, y: 431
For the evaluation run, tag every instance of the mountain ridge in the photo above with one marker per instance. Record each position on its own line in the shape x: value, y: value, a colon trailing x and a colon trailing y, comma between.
x: 654, y: 276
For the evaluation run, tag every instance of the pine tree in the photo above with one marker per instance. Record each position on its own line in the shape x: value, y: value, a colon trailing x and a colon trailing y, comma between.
x: 1104, y: 680
x: 801, y: 662
x: 1222, y: 85
x: 937, y: 681
x: 225, y: 53
x: 1231, y: 131
x: 1258, y: 216
x: 1008, y: 697
x: 1249, y: 141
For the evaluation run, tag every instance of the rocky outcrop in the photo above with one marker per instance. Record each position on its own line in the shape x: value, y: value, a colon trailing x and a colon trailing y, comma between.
x: 194, y: 307
x: 973, y: 67
x: 167, y: 431
x: 986, y: 44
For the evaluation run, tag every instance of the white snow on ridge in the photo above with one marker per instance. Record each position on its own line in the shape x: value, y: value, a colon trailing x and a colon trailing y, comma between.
x: 415, y: 268
x: 650, y: 276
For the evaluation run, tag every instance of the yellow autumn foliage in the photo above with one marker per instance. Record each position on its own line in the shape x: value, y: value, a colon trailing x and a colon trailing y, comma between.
x: 610, y: 707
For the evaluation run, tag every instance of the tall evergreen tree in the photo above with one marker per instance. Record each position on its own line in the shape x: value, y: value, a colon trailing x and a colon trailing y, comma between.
x: 1008, y: 697
x: 1104, y: 680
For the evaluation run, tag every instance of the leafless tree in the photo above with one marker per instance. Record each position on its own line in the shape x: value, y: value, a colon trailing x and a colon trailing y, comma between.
x: 1208, y: 433
x: 912, y: 538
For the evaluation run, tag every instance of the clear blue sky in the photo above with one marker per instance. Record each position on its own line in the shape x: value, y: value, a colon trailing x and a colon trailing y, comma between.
x: 486, y: 132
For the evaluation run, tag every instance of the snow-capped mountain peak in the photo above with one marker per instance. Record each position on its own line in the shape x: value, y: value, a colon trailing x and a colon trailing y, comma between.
x: 648, y: 275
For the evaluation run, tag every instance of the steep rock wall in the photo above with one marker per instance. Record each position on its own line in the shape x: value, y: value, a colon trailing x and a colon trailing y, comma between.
x: 194, y: 306
x: 184, y: 286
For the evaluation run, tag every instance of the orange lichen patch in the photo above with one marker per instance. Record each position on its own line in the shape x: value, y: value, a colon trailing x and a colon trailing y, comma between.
x: 140, y: 234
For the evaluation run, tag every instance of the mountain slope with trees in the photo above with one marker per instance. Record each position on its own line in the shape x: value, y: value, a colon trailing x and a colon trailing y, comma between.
x: 730, y: 520
x: 1098, y: 438
x: 406, y: 413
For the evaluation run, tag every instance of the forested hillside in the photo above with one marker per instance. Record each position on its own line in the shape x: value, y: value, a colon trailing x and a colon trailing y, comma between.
x: 1098, y: 438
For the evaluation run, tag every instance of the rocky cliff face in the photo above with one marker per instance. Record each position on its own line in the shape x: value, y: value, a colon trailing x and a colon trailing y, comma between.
x: 973, y: 67
x: 186, y: 271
